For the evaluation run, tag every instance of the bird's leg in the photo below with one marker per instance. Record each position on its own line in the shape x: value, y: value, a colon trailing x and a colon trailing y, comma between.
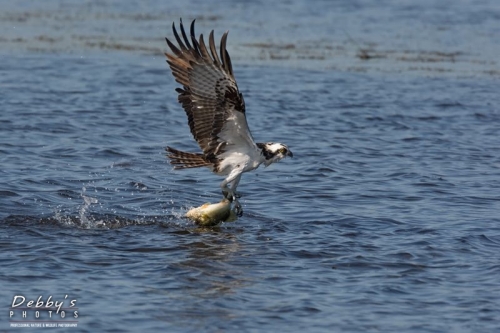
x: 234, y: 178
x: 234, y: 185
x: 237, y: 208
x: 229, y: 192
x: 226, y: 191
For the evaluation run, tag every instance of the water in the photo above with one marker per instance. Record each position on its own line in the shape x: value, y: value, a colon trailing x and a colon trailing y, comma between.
x: 385, y: 220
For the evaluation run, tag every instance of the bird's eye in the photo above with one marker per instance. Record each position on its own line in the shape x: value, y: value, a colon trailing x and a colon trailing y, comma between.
x: 283, y: 151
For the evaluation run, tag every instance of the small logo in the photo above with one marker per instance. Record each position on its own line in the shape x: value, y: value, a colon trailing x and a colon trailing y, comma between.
x: 43, y: 313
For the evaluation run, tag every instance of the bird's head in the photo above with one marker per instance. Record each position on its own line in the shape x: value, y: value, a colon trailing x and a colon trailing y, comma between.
x: 274, y: 152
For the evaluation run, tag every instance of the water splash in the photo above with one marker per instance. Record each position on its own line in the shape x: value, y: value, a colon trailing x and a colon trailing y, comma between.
x: 87, y: 218
x: 86, y: 221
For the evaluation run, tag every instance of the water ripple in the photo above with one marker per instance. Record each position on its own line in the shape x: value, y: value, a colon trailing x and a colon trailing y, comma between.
x: 387, y: 213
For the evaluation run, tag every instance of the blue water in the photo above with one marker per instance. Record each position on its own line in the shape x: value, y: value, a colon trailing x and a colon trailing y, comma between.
x: 386, y: 219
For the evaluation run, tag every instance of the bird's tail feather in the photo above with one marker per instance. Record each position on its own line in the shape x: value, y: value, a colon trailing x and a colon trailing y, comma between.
x: 182, y: 160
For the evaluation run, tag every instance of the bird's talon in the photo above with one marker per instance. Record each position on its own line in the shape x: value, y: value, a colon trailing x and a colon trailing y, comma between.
x: 227, y: 195
x: 238, y: 209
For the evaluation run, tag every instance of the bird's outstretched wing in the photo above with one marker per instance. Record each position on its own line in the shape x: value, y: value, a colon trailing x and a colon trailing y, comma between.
x: 214, y: 106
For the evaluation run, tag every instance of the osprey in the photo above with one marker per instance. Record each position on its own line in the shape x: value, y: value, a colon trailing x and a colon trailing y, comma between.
x: 216, y: 113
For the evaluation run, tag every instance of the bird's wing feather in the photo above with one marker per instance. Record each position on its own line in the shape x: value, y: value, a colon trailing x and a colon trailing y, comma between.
x: 214, y: 106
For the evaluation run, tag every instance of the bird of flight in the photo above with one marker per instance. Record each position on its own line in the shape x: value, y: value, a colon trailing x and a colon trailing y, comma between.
x: 216, y: 113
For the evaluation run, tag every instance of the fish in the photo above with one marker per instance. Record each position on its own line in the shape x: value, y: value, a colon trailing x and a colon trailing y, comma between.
x: 209, y: 215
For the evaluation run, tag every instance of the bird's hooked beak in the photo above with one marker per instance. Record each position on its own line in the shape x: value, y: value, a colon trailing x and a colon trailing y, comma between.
x: 289, y: 153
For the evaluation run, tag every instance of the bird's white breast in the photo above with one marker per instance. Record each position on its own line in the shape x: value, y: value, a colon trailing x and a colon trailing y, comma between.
x: 246, y: 160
